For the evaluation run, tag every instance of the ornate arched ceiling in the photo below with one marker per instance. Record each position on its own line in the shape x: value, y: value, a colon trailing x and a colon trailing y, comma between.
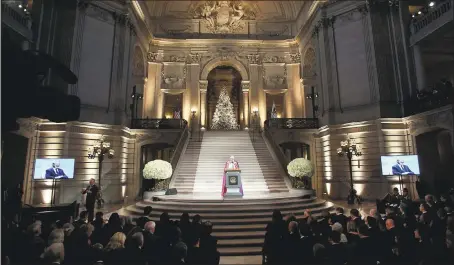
x: 263, y: 10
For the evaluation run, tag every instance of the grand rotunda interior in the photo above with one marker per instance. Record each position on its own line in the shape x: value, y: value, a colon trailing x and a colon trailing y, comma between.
x: 253, y: 105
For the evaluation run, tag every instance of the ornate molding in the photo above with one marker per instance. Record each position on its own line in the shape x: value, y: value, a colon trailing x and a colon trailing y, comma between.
x: 152, y: 57
x: 295, y: 57
x: 273, y: 59
x: 245, y: 86
x: 322, y: 23
x: 194, y: 58
x: 99, y: 13
x: 203, y: 85
x: 253, y: 58
x: 177, y: 59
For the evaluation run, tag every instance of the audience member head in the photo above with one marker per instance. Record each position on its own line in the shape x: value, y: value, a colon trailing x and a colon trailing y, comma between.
x: 117, y: 241
x: 405, y: 192
x: 164, y: 218
x: 83, y: 216
x: 55, y: 253
x: 184, y: 218
x: 56, y: 236
x: 277, y: 216
x: 325, y: 214
x: 99, y: 216
x: 363, y: 230
x: 137, y: 240
x: 389, y: 224
x: 114, y: 220
x: 423, y: 207
x: 373, y: 212
x: 207, y: 228
x: 371, y: 222
x: 87, y: 229
x: 34, y: 229
x: 68, y: 229
x: 389, y: 210
x: 354, y: 213
x: 150, y: 226
x: 429, y: 199
x: 289, y: 218
x: 396, y: 191
x: 293, y: 227
x: 337, y: 227
x: 196, y: 219
x: 335, y: 237
x: 147, y: 210
x: 339, y: 210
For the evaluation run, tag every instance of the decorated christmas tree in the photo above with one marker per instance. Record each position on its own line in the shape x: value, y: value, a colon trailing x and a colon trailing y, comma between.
x: 224, y: 117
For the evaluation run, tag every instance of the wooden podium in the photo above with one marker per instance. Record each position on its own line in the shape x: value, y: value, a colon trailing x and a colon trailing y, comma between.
x: 233, y: 183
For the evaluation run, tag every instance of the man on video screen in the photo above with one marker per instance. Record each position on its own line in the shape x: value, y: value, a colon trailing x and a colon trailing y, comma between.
x: 401, y: 169
x: 55, y: 172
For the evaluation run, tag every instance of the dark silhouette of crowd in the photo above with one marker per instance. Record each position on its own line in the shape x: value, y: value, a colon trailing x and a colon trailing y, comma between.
x: 120, y: 240
x: 403, y: 234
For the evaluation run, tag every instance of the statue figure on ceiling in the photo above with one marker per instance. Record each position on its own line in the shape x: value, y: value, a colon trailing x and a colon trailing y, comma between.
x: 223, y: 16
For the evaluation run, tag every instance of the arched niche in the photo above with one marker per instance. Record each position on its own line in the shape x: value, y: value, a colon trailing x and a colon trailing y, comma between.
x: 221, y: 62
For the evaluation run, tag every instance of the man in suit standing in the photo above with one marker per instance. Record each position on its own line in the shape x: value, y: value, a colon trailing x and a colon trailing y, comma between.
x: 401, y: 169
x: 55, y: 172
x: 92, y: 194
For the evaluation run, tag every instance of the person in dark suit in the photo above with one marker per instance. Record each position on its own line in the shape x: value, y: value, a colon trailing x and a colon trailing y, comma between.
x: 339, y: 217
x: 145, y: 218
x: 92, y: 194
x: 401, y: 169
x: 55, y: 172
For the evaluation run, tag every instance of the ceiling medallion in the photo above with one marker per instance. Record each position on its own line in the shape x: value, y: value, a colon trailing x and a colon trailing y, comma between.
x: 223, y: 17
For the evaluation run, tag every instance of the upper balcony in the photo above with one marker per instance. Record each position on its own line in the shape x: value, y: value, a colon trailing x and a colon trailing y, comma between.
x: 17, y: 18
x: 435, y: 19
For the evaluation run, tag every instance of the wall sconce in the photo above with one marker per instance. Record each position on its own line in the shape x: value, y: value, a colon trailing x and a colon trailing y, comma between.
x: 255, y: 111
x: 193, y: 112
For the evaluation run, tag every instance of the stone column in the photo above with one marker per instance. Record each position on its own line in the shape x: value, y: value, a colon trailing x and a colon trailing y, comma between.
x: 255, y: 90
x: 419, y: 67
x: 203, y: 85
x: 294, y: 97
x: 245, y: 85
x: 194, y: 101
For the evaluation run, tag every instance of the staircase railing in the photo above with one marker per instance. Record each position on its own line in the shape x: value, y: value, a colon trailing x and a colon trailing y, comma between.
x: 292, y: 123
x: 282, y: 159
x: 179, y: 148
x: 158, y: 124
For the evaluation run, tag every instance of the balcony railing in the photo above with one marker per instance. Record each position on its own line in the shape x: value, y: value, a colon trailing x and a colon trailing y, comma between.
x: 292, y: 123
x: 424, y: 25
x: 17, y: 20
x: 155, y: 124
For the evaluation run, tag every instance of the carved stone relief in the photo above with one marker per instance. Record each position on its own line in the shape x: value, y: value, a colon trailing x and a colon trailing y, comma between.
x: 309, y: 63
x: 152, y: 57
x: 295, y: 57
x: 99, y: 13
x: 253, y: 58
x: 273, y: 59
x: 194, y: 58
x: 173, y: 78
x: 138, y: 63
x: 223, y: 16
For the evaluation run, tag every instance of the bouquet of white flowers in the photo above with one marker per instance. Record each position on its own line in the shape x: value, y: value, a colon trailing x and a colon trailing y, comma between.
x: 157, y: 169
x: 300, y: 167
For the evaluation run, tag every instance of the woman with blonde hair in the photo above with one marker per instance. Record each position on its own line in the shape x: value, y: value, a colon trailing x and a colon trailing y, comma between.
x: 115, y: 249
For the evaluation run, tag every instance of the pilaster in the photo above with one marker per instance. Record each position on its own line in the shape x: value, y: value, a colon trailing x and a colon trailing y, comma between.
x: 245, y: 87
x: 203, y: 85
x: 294, y: 96
x: 193, y: 74
x: 254, y: 90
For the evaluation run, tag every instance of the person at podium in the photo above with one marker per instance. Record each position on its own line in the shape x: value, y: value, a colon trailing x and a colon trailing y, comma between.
x: 231, y: 164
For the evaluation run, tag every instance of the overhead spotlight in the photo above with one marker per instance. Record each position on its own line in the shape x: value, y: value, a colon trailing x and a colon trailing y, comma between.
x: 413, y: 15
x: 432, y: 4
x: 25, y: 9
x: 20, y: 6
x: 419, y: 12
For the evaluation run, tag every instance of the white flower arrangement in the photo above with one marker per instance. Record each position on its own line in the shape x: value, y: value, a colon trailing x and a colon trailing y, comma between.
x: 300, y: 167
x: 157, y: 169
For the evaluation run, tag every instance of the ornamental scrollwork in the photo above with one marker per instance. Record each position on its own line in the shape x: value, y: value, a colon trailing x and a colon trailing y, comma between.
x: 253, y: 58
x: 295, y: 57
x: 152, y: 57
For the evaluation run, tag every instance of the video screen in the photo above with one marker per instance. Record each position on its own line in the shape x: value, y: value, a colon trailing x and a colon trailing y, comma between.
x: 400, y: 165
x: 51, y: 168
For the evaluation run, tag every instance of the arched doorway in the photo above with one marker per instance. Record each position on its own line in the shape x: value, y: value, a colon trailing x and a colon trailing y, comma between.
x: 435, y: 156
x: 150, y: 152
x: 218, y: 78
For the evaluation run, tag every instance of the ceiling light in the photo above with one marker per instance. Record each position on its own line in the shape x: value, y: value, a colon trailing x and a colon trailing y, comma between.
x: 20, y: 6
x: 25, y: 9
x: 413, y: 15
x: 419, y: 12
x: 431, y: 4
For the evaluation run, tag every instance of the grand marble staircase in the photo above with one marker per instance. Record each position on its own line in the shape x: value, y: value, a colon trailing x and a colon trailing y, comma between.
x: 201, y: 167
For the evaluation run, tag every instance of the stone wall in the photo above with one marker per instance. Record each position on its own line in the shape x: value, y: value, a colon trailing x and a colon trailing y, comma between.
x: 120, y: 175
